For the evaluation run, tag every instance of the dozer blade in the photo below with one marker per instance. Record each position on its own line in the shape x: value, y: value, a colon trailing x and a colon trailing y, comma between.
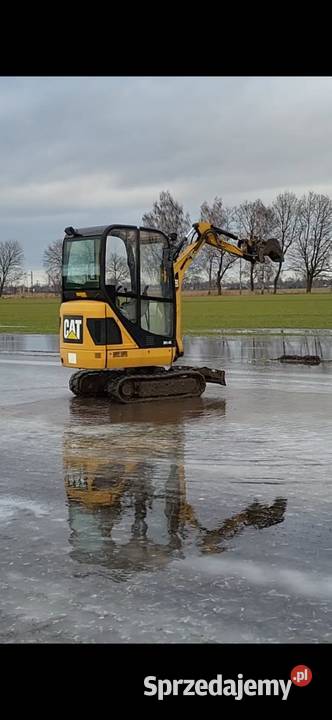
x: 210, y: 374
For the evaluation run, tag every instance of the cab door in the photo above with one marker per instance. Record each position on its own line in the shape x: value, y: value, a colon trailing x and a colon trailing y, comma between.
x: 156, y: 297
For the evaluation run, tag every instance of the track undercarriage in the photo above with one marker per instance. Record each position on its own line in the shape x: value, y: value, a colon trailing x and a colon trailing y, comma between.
x: 133, y: 385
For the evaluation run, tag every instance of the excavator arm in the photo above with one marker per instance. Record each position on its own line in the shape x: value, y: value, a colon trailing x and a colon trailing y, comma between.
x: 203, y: 233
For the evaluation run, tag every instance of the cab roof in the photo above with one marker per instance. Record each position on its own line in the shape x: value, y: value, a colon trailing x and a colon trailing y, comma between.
x: 96, y: 230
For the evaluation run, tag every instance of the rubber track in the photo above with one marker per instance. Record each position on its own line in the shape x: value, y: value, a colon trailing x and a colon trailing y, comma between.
x: 161, y: 386
x: 93, y: 383
x: 133, y: 385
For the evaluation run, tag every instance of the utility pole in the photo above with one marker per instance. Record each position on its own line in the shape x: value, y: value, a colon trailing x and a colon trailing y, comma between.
x: 240, y: 276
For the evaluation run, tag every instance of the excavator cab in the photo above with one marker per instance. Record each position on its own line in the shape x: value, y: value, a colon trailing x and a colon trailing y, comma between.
x: 118, y: 298
x: 127, y: 267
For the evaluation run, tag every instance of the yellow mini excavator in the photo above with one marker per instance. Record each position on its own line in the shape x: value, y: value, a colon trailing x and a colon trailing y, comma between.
x: 120, y: 317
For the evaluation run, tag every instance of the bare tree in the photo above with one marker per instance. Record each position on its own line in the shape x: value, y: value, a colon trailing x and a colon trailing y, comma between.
x: 225, y: 260
x: 225, y: 263
x: 263, y: 274
x: 254, y: 220
x: 209, y: 257
x: 167, y: 215
x: 287, y: 223
x: 222, y: 217
x: 193, y: 275
x: 11, y: 262
x: 311, y: 252
x: 52, y: 261
x: 215, y: 215
x: 117, y: 271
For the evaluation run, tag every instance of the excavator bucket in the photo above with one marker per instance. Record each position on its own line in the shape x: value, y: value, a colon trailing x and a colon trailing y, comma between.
x: 272, y: 249
x: 257, y: 250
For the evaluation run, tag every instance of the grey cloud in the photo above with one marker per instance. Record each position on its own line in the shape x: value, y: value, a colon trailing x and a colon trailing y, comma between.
x: 76, y: 150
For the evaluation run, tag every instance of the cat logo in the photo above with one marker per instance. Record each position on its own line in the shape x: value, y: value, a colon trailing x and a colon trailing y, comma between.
x: 73, y: 328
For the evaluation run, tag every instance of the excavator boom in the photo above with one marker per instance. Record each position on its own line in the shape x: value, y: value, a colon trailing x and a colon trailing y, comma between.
x: 252, y: 250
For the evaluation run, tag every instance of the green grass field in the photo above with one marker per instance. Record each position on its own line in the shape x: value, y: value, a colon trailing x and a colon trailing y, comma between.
x: 201, y: 314
x: 205, y: 314
x: 29, y: 315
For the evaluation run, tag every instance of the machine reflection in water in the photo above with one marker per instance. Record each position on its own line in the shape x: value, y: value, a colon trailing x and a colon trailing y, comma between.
x: 124, y: 474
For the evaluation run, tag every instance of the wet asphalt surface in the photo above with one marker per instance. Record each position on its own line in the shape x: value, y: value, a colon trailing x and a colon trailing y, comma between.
x: 187, y: 521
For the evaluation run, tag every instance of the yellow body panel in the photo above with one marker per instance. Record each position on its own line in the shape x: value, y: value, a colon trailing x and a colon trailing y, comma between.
x: 140, y: 357
x: 87, y: 355
x: 82, y: 354
x: 128, y: 354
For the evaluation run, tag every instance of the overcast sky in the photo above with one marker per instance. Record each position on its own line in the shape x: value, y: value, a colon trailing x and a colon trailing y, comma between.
x: 80, y: 151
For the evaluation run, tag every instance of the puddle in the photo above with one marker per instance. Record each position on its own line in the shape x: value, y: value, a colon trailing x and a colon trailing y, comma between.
x: 259, y: 346
x: 205, y: 520
x: 28, y: 343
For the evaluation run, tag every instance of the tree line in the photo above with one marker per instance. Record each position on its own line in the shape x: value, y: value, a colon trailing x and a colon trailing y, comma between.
x: 303, y: 226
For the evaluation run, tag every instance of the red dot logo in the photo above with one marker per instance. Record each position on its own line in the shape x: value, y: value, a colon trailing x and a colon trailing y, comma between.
x: 301, y: 675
